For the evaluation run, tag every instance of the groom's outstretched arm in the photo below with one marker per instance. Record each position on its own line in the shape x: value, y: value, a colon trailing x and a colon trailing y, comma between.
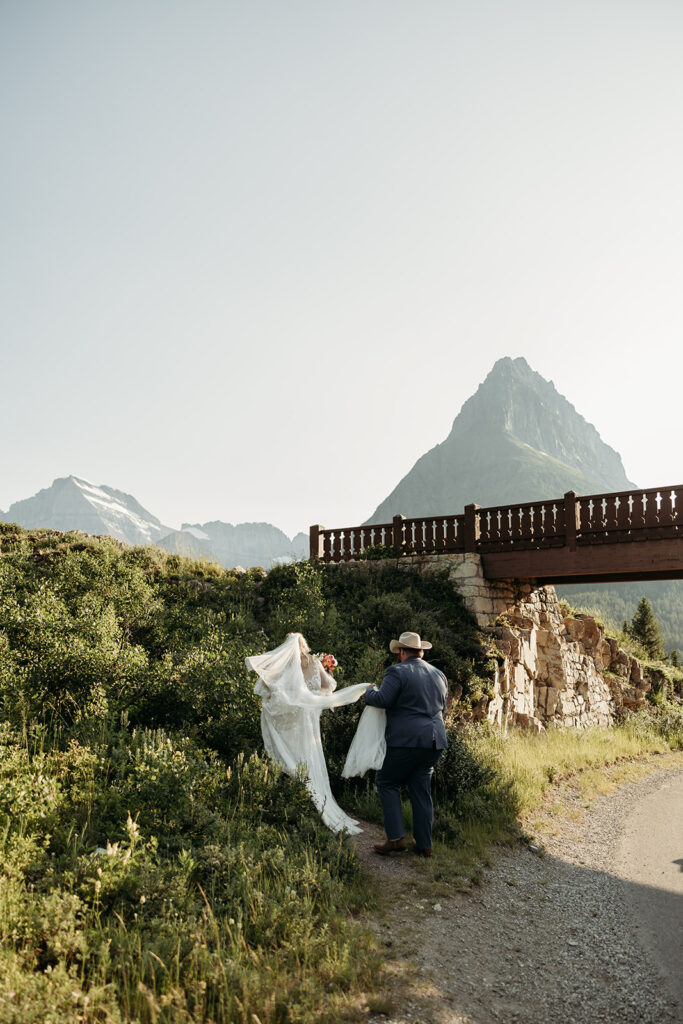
x: 384, y: 698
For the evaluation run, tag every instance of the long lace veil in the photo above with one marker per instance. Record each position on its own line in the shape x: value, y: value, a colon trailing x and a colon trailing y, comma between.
x: 281, y: 678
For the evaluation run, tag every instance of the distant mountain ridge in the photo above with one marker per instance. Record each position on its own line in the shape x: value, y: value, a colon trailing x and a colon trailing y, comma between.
x: 72, y: 503
x: 243, y: 544
x: 515, y: 439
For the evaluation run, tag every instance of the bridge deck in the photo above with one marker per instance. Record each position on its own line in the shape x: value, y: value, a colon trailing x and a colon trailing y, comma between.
x: 645, y: 560
x: 624, y: 535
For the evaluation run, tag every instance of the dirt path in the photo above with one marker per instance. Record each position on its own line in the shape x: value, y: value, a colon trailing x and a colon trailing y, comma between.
x: 650, y: 860
x: 575, y: 934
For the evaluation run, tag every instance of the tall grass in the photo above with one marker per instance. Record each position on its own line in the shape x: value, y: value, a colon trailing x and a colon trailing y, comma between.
x: 532, y: 763
x: 215, y: 897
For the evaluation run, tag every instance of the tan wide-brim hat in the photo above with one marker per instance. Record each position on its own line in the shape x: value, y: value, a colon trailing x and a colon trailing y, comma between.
x: 411, y: 640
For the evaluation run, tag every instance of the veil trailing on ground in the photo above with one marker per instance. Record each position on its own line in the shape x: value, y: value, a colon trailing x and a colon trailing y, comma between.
x: 290, y: 719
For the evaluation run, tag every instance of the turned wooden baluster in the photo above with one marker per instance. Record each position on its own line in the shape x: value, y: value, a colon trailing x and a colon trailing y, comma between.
x: 494, y: 527
x: 515, y: 526
x: 678, y: 510
x: 623, y: 516
x: 666, y: 514
x: 638, y: 515
x: 537, y: 526
x: 611, y: 522
x: 556, y: 521
x: 460, y: 532
x: 651, y: 514
x: 585, y: 518
x: 429, y: 534
x: 525, y: 526
x: 598, y: 520
x: 504, y: 527
x: 484, y: 530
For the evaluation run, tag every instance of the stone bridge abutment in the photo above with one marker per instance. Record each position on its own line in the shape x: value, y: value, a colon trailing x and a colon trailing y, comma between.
x: 551, y: 668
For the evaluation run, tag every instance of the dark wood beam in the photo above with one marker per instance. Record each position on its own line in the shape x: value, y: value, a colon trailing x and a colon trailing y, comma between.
x: 590, y: 563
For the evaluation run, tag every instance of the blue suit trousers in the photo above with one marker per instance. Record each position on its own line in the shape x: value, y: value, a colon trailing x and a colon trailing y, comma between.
x: 411, y: 766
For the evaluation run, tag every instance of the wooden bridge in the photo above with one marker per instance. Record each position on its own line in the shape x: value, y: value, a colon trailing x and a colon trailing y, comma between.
x: 626, y: 535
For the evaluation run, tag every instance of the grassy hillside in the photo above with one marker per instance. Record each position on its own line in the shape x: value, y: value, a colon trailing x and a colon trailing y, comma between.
x: 155, y: 867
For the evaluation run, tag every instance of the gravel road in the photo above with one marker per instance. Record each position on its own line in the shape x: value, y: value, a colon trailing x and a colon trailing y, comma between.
x: 650, y: 858
x: 558, y: 935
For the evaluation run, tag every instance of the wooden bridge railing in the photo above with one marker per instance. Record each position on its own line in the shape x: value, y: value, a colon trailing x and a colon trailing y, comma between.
x: 568, y: 522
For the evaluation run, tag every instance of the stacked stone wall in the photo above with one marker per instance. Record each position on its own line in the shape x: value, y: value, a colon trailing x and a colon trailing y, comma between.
x: 551, y: 668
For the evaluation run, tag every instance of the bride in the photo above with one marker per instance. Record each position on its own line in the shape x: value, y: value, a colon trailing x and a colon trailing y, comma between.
x: 294, y: 689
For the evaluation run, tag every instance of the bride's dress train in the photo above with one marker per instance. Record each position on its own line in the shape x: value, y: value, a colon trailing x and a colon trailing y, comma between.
x: 290, y: 720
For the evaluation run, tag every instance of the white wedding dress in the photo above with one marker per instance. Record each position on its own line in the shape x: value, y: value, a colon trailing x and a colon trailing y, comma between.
x: 290, y: 720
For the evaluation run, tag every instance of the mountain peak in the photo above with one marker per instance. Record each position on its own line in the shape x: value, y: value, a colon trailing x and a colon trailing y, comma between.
x: 517, y: 401
x: 507, y: 366
x: 516, y: 439
x: 74, y: 503
x: 508, y: 373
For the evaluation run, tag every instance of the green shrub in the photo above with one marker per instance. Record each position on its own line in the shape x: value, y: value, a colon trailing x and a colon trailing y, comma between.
x: 375, y: 552
x: 664, y: 718
x: 213, y: 895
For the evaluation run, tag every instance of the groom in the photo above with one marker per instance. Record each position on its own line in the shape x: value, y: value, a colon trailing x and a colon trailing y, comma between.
x: 414, y: 695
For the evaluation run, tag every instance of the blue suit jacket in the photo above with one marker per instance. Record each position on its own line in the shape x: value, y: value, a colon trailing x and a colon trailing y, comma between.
x: 413, y: 693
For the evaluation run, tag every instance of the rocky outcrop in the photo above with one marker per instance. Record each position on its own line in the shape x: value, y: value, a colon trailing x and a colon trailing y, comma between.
x: 551, y: 668
x: 556, y: 669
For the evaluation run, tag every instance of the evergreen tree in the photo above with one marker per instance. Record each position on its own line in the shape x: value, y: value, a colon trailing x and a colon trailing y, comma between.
x: 645, y: 629
x: 674, y: 658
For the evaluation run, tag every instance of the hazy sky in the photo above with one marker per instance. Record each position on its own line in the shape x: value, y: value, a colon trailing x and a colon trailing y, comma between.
x: 254, y: 256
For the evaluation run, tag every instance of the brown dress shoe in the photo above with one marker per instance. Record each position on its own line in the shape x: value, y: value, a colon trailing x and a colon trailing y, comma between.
x: 390, y: 846
x: 420, y: 852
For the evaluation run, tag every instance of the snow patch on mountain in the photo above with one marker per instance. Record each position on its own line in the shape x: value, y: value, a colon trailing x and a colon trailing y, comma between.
x: 73, y: 503
x: 194, y: 531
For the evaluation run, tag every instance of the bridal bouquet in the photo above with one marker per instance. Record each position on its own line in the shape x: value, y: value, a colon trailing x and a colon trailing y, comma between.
x: 328, y: 662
